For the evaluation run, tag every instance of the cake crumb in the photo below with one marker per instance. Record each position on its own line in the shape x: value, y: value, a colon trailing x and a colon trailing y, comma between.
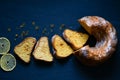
x: 22, y: 25
x: 44, y: 30
x: 9, y: 29
x: 51, y: 30
x: 14, y: 39
x: 36, y: 27
x: 52, y: 25
x: 16, y: 35
x: 33, y: 23
x: 62, y: 26
x: 24, y: 33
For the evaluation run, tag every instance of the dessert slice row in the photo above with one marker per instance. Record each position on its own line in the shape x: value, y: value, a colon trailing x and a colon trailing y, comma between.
x: 41, y: 49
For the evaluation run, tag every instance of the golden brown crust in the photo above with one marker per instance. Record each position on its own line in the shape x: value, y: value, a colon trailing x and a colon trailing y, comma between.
x: 76, y: 39
x: 42, y: 50
x: 23, y: 50
x: 60, y: 47
x: 106, y: 37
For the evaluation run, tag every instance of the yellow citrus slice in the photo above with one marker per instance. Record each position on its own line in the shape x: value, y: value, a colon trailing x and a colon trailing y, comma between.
x: 8, y: 62
x: 4, y: 45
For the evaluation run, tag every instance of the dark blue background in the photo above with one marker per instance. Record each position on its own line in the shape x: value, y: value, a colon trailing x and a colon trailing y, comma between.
x: 45, y: 12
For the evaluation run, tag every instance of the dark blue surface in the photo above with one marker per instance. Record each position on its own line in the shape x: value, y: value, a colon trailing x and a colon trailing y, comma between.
x: 45, y: 12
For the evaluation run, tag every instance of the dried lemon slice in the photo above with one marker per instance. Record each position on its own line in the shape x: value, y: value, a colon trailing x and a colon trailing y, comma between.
x: 8, y: 62
x: 4, y: 45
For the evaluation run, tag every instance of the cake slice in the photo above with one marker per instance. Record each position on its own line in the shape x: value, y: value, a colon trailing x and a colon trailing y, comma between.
x: 42, y: 50
x: 76, y: 39
x: 61, y: 48
x: 23, y: 50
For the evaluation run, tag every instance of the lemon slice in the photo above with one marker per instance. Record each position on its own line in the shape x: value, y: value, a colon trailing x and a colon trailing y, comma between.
x: 8, y: 62
x: 4, y: 45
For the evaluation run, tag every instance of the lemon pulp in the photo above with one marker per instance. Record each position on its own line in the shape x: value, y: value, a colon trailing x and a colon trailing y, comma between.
x: 4, y: 45
x: 8, y: 62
